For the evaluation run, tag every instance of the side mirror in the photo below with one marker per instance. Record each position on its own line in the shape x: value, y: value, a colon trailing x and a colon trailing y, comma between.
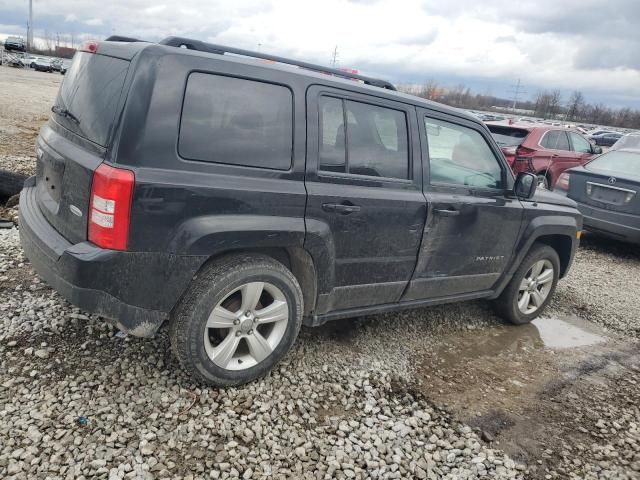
x: 596, y: 149
x: 525, y: 185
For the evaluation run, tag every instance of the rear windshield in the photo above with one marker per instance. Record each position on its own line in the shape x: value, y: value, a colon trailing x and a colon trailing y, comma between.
x: 618, y: 162
x: 628, y: 141
x: 507, y: 136
x: 89, y: 93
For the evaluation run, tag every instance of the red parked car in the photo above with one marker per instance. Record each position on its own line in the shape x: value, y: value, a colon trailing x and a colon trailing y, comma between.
x: 544, y: 150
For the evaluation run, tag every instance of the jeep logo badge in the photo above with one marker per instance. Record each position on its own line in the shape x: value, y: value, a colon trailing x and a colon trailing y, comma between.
x: 612, y: 180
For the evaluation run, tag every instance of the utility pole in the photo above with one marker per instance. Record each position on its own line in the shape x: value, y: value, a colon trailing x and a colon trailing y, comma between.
x: 517, y: 91
x: 334, y: 57
x: 30, y: 27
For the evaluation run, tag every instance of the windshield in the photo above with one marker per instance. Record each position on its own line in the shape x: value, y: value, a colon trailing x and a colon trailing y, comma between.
x: 90, y: 92
x: 618, y: 162
x: 507, y: 136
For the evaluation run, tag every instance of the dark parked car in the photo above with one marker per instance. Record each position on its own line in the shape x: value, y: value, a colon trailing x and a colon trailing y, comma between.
x: 606, y: 190
x: 605, y: 139
x: 541, y: 150
x: 14, y: 44
x: 239, y: 199
x: 42, y: 65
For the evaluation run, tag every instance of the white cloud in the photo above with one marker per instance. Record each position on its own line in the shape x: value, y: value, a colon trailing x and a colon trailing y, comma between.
x: 547, y: 43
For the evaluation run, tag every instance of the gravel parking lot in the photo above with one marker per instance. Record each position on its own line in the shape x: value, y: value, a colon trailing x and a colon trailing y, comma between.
x: 445, y: 392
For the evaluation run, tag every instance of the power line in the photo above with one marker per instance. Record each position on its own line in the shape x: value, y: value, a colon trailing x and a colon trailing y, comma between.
x: 334, y: 57
x: 517, y: 91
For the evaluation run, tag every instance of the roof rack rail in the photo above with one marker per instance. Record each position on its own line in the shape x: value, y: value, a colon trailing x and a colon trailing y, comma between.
x: 200, y: 46
x: 120, y: 38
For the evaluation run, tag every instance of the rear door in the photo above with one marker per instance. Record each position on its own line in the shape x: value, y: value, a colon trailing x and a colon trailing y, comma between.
x: 75, y: 140
x: 555, y: 156
x: 365, y: 204
x: 472, y: 224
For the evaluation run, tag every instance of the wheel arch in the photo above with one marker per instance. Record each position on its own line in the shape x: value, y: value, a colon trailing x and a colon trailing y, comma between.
x: 296, y: 259
x: 563, y: 245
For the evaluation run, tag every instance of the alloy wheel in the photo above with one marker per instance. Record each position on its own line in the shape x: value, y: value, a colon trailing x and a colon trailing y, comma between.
x: 246, y: 326
x: 535, y: 286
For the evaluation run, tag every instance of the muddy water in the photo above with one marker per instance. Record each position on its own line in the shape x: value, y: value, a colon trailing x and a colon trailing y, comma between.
x: 556, y: 333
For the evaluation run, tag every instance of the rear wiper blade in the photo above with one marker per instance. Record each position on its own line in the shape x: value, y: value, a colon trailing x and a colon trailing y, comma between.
x: 63, y: 112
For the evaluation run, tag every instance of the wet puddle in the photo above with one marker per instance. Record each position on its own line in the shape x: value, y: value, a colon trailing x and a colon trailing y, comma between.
x: 558, y: 332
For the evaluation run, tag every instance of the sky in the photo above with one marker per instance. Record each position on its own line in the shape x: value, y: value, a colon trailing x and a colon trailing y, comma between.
x: 587, y: 45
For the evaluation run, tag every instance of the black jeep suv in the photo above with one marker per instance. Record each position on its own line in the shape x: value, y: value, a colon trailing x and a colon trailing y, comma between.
x: 240, y: 195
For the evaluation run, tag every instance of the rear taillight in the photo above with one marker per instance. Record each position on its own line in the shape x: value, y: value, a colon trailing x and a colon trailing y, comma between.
x: 523, y: 154
x: 90, y: 46
x: 563, y: 182
x: 110, y: 207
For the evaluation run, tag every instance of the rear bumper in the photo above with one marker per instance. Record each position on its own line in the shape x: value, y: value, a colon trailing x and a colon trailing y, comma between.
x: 134, y: 291
x: 621, y: 226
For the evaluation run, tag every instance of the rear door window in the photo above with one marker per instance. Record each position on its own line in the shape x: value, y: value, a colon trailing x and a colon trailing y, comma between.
x: 236, y: 121
x: 556, y: 140
x: 90, y: 93
x: 373, y: 142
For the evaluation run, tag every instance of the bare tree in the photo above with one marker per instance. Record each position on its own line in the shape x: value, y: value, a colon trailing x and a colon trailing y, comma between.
x: 554, y: 103
x: 575, y: 105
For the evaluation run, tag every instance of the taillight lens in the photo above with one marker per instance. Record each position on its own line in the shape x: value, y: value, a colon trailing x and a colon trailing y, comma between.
x: 563, y: 182
x: 90, y: 46
x: 110, y: 207
x: 523, y: 154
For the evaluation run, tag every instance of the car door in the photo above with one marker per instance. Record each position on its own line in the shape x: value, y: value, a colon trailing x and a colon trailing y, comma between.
x: 473, y: 223
x: 365, y: 207
x: 581, y: 147
x: 555, y: 156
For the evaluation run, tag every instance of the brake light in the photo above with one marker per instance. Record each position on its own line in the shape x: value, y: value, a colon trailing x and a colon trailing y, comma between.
x: 523, y: 153
x: 110, y: 207
x: 563, y: 182
x: 90, y: 46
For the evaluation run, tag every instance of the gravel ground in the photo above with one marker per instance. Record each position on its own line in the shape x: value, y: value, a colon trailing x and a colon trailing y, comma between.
x: 364, y: 398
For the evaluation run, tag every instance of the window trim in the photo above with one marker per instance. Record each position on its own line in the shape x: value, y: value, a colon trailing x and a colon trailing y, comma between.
x: 344, y: 98
x: 558, y: 149
x: 472, y: 190
x: 289, y: 169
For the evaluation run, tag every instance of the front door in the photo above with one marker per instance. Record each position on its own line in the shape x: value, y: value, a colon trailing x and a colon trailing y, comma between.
x: 472, y: 224
x: 365, y: 207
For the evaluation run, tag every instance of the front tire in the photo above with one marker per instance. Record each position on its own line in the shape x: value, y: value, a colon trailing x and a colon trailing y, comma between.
x: 531, y: 287
x: 237, y: 320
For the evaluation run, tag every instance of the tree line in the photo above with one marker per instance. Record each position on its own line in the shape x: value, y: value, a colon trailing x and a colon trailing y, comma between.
x: 546, y: 104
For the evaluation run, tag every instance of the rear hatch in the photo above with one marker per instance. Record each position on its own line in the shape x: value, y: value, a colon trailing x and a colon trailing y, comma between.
x: 76, y: 139
x: 508, y: 138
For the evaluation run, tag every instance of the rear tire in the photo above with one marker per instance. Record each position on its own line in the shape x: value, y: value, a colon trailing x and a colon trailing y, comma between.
x: 238, y: 319
x: 530, y: 291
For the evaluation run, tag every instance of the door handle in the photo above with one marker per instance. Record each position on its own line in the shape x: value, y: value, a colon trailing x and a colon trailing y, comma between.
x: 446, y: 212
x: 344, y: 209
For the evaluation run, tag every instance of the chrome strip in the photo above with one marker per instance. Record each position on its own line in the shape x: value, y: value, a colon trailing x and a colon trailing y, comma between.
x: 612, y: 188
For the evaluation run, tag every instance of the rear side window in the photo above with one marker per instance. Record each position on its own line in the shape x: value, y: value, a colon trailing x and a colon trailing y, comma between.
x: 374, y: 141
x: 90, y: 93
x: 556, y: 140
x: 236, y: 121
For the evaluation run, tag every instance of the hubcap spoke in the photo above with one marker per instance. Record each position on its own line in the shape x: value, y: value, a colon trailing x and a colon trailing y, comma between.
x: 251, y: 295
x: 524, y: 284
x: 275, y: 312
x: 523, y: 304
x: 537, y: 298
x: 536, y: 269
x: 546, y: 276
x: 221, y: 318
x: 258, y: 346
x: 223, y: 353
